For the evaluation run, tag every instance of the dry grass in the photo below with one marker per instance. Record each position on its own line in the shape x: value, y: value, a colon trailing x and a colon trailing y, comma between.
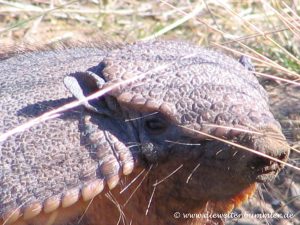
x: 268, y: 27
x: 268, y: 30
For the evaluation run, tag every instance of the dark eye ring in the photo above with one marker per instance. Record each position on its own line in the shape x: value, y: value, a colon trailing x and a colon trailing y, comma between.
x: 155, y: 125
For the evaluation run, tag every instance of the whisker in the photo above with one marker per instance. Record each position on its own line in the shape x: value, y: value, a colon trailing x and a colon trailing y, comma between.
x: 151, y: 197
x: 183, y: 143
x: 18, y: 208
x: 122, y: 216
x: 85, y: 211
x: 165, y: 178
x: 132, y: 181
x: 191, y: 174
x: 52, y: 218
x: 141, y: 117
x: 139, y: 185
x: 134, y: 145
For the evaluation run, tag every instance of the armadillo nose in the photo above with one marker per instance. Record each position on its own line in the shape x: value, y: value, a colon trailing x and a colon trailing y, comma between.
x: 272, y: 143
x: 276, y: 149
x: 265, y: 165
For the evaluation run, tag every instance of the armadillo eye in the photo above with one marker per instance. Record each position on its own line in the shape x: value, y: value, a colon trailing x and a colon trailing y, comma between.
x: 155, y: 125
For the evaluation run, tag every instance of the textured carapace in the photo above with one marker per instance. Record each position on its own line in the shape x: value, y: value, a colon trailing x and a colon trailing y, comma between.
x: 140, y: 124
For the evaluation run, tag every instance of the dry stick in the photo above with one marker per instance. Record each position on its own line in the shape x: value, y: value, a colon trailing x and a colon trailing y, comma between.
x: 177, y: 23
x: 23, y: 6
x: 35, y: 17
x: 55, y: 113
x: 278, y: 195
x: 296, y: 150
x: 235, y: 128
x: 283, y: 19
x: 231, y: 128
x: 276, y: 65
x: 184, y: 13
x: 278, y: 78
x: 286, y: 203
x: 242, y: 147
x: 17, y: 8
x: 258, y: 30
x: 253, y: 131
x: 255, y: 58
x: 292, y: 11
x: 256, y: 34
x: 260, y: 203
x: 274, y: 136
x: 289, y: 201
x: 269, y: 61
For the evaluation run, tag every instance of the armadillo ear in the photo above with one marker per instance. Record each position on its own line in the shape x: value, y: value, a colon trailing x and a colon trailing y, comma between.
x: 247, y: 63
x: 83, y: 84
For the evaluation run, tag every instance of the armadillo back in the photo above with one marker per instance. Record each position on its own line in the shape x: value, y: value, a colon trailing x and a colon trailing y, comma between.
x: 31, y: 84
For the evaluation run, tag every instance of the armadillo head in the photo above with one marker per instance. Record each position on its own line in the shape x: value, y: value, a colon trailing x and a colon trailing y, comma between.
x: 190, y: 111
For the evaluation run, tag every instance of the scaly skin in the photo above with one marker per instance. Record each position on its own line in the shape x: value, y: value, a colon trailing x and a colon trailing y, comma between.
x: 51, y: 171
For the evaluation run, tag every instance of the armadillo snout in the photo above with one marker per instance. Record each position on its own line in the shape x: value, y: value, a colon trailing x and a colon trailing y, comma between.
x: 272, y: 153
x: 266, y: 168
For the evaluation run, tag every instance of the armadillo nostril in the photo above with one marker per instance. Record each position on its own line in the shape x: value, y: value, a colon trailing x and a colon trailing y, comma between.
x: 264, y: 165
x: 259, y: 162
x: 283, y: 156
